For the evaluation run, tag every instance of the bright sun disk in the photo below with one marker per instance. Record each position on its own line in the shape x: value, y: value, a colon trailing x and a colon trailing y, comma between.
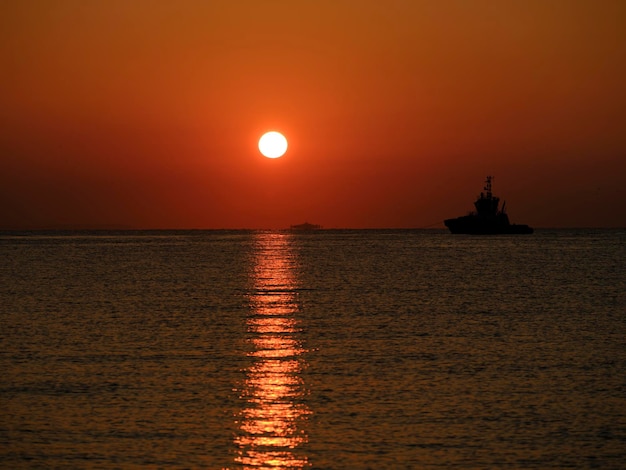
x: 273, y: 144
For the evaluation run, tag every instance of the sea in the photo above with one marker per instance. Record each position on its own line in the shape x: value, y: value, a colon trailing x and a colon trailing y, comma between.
x: 328, y: 349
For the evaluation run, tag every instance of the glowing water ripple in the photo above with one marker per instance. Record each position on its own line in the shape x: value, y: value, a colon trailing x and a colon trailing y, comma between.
x: 272, y: 422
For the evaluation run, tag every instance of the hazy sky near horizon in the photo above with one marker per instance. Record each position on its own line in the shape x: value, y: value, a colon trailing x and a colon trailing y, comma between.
x: 147, y: 113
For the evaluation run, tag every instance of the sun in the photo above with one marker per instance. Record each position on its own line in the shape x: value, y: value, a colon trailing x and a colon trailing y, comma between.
x: 272, y: 144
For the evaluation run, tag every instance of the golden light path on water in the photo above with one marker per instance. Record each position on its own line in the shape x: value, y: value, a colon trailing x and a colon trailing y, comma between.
x: 272, y: 421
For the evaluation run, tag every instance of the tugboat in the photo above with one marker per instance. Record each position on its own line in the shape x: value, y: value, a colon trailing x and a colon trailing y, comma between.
x: 488, y: 219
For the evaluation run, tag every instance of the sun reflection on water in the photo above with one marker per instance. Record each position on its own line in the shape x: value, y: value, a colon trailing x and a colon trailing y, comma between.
x: 271, y: 424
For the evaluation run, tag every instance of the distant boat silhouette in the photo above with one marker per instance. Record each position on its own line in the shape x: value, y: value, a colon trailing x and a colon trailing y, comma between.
x: 305, y: 226
x: 487, y: 219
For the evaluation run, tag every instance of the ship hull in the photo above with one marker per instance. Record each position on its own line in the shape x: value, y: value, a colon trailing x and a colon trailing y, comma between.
x: 473, y: 225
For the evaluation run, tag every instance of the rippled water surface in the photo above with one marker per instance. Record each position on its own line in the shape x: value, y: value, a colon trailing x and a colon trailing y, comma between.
x: 328, y: 349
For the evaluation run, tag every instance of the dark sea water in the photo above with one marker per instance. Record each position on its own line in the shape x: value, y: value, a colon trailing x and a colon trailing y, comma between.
x: 329, y: 349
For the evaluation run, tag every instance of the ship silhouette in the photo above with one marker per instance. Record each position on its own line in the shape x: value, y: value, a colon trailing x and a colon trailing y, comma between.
x: 488, y: 218
x: 305, y: 226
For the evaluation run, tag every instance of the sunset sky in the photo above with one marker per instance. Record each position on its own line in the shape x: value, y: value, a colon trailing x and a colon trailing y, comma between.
x: 146, y: 114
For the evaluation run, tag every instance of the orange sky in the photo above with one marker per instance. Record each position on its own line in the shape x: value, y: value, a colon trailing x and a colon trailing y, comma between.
x: 147, y: 113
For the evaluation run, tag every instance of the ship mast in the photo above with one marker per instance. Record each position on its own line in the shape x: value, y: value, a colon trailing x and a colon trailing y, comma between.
x: 487, y: 204
x: 488, y: 186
